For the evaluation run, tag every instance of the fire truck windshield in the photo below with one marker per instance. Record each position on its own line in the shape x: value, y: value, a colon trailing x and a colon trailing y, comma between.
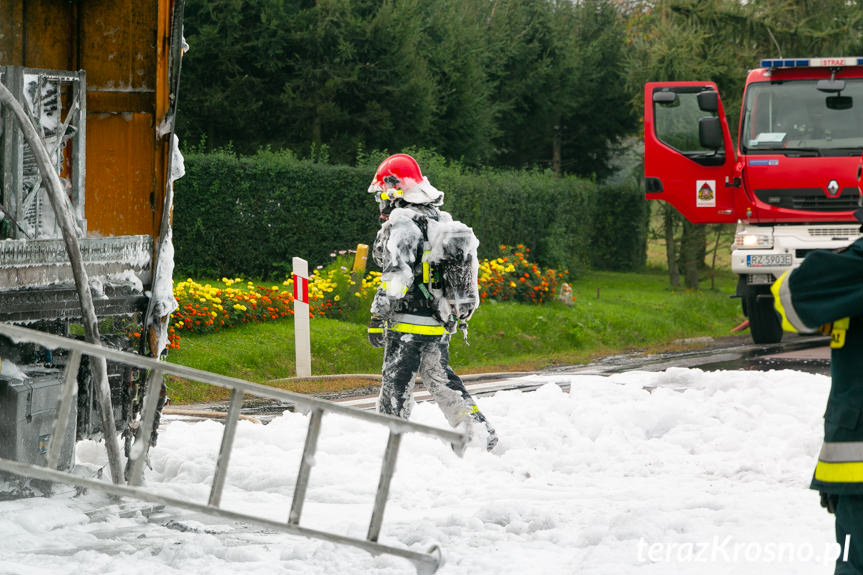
x: 794, y: 118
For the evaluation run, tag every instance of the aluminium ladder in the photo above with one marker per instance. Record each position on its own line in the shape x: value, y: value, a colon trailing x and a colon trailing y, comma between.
x: 426, y: 563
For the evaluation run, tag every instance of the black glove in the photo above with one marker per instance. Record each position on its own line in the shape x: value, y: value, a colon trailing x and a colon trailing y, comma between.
x: 376, y: 331
x: 828, y: 501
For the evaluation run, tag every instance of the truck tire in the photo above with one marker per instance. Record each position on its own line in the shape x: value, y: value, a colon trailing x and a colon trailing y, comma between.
x: 765, y: 326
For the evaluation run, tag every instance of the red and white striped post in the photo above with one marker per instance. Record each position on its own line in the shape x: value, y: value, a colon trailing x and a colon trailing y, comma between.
x: 302, y: 333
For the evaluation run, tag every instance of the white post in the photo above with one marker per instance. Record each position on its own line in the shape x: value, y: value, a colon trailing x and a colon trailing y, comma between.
x: 302, y: 336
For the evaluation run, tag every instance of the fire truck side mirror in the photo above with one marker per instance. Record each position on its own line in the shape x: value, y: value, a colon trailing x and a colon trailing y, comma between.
x: 665, y: 97
x: 710, y: 133
x: 708, y: 101
x: 830, y: 86
x: 839, y: 102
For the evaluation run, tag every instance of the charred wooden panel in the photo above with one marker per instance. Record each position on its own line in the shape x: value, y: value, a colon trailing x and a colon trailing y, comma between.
x: 124, y: 47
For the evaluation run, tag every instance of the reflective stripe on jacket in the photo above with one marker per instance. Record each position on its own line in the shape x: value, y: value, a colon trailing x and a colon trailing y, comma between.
x: 785, y: 306
x: 416, y: 324
x: 840, y: 462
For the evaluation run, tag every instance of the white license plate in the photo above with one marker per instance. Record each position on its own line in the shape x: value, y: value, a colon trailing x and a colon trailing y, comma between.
x: 764, y: 260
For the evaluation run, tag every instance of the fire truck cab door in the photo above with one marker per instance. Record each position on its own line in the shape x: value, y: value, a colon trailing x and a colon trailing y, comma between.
x: 688, y: 153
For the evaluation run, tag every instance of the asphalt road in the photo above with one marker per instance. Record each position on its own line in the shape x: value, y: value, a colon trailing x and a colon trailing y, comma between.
x: 803, y: 353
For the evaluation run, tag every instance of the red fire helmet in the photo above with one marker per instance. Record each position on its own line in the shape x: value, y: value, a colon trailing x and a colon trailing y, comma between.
x: 399, y: 171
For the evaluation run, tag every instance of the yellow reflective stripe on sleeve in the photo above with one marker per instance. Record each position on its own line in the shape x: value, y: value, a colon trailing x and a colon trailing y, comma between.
x: 837, y: 334
x: 782, y: 303
x: 840, y: 462
x: 848, y: 472
x: 376, y: 330
x: 418, y: 329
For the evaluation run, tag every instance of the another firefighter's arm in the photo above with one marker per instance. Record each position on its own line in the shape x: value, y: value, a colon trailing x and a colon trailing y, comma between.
x: 784, y: 305
x: 822, y: 293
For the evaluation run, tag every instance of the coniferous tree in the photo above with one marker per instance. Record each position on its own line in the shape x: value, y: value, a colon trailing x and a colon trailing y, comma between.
x: 503, y: 82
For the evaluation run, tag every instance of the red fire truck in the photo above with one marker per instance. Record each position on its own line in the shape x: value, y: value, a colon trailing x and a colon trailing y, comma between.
x: 792, y: 181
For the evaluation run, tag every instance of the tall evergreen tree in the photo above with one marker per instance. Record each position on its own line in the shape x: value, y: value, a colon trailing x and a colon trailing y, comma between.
x: 506, y: 82
x: 456, y: 49
x: 593, y: 100
x: 522, y: 72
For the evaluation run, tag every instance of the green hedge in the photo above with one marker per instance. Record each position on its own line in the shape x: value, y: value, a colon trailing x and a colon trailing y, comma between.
x: 249, y: 216
x: 619, y: 229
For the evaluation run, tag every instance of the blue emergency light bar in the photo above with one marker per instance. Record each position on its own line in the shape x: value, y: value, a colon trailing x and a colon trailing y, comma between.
x: 812, y: 62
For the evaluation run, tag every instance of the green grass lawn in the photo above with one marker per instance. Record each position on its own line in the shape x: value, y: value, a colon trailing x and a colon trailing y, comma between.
x: 612, y: 313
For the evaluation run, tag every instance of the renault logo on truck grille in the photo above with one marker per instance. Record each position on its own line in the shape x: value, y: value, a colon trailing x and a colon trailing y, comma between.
x: 833, y: 188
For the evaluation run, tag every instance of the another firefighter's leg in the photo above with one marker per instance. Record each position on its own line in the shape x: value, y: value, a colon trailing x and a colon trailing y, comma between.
x: 401, y: 362
x: 449, y: 392
x: 849, y: 534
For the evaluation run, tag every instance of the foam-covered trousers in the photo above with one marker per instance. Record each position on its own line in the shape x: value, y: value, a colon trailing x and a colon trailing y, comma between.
x: 405, y: 355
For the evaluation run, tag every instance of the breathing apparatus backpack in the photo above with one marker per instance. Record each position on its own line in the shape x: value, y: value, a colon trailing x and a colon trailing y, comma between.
x: 441, y: 255
x: 454, y: 270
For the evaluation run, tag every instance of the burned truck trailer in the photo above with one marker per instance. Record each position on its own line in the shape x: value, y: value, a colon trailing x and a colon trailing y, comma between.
x: 98, y: 80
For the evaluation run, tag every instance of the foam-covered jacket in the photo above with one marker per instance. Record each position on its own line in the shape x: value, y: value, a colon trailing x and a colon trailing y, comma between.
x: 429, y: 271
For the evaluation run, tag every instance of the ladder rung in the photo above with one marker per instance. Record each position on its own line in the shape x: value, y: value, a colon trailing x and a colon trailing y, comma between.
x: 306, y: 463
x: 142, y: 439
x: 227, y: 445
x: 67, y: 402
x: 387, y: 468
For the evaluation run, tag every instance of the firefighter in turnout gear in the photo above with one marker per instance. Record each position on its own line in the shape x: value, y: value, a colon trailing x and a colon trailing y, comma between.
x: 826, y: 294
x: 413, y: 313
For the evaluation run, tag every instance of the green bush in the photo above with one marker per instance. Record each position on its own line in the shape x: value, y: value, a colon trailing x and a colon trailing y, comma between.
x: 550, y: 215
x: 251, y: 215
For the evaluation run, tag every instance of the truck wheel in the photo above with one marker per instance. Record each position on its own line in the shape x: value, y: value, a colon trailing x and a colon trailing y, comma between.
x: 764, y: 323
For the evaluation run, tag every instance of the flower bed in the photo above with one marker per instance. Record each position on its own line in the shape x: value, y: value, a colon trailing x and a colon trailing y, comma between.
x: 511, y: 277
x: 334, y: 293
